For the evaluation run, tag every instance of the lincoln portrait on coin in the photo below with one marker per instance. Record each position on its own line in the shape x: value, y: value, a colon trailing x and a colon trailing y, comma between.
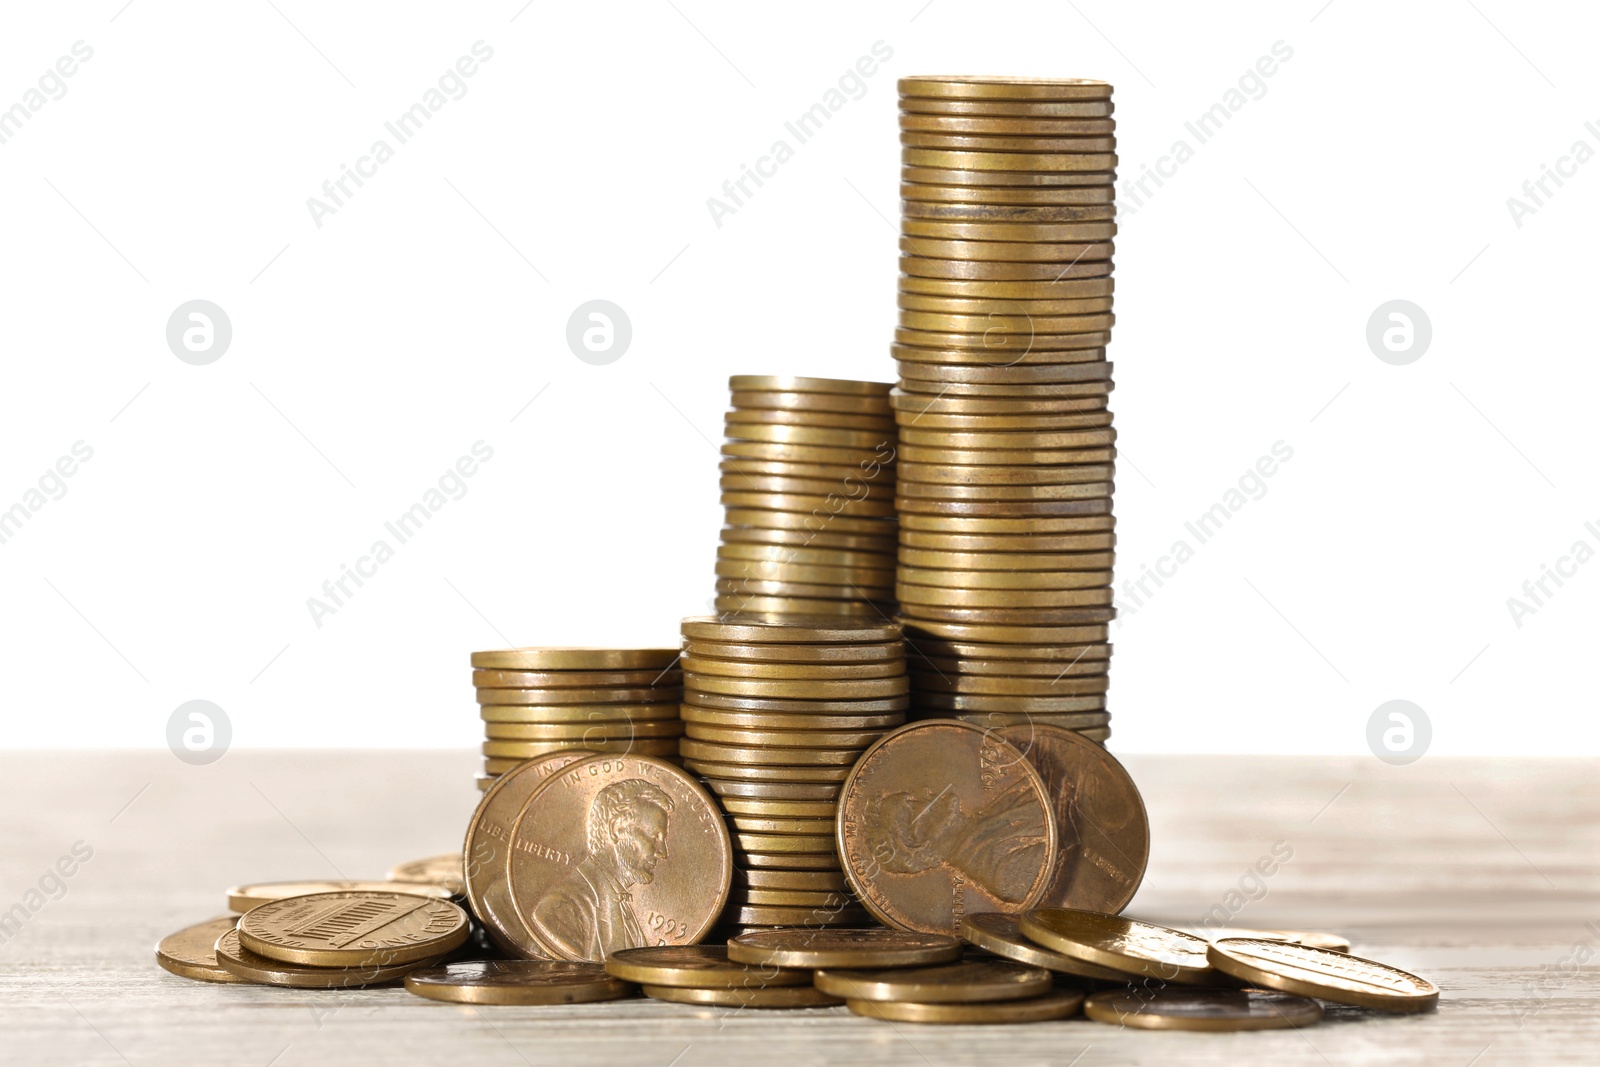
x: 589, y: 914
x: 1000, y: 847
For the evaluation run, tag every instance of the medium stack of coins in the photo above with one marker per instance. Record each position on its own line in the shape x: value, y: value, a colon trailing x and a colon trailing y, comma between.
x: 535, y: 701
x: 776, y: 711
x: 808, y: 484
x: 1006, y: 449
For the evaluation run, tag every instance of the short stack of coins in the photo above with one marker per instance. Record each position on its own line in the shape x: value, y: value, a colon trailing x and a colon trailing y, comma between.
x: 1006, y: 446
x: 808, y: 484
x: 776, y: 711
x: 535, y: 701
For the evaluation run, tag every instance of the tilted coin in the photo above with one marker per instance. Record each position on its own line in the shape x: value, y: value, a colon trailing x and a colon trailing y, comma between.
x: 1137, y: 948
x: 1001, y: 934
x: 191, y: 952
x: 517, y: 982
x: 612, y: 853
x: 1210, y: 1010
x: 739, y: 668
x: 965, y: 981
x: 698, y: 966
x: 442, y: 870
x: 1314, y: 938
x: 742, y: 997
x: 939, y: 819
x: 874, y: 947
x: 251, y: 967
x: 552, y: 714
x: 1317, y: 972
x: 542, y: 697
x: 1057, y: 1004
x: 245, y: 897
x: 591, y: 731
x: 788, y: 721
x: 789, y: 400
x: 1032, y: 108
x: 582, y: 659
x: 788, y: 629
x: 1001, y: 126
x: 484, y: 679
x: 619, y: 746
x: 354, y: 929
x: 781, y: 383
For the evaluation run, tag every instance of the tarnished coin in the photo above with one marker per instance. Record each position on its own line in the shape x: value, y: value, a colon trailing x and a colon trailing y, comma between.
x: 618, y: 852
x: 875, y: 947
x: 1314, y: 938
x: 484, y: 679
x: 965, y: 981
x: 517, y: 982
x: 1002, y: 935
x: 1317, y: 972
x: 1057, y: 1004
x: 581, y: 659
x: 191, y: 952
x: 1213, y: 1010
x: 251, y: 967
x: 789, y: 629
x: 939, y: 819
x: 1120, y: 944
x: 354, y: 929
x: 443, y: 871
x: 242, y: 898
x: 488, y: 848
x: 698, y: 966
x: 742, y: 997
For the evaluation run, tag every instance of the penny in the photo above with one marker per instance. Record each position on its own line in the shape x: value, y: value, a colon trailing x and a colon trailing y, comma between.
x: 825, y: 557
x: 443, y: 871
x: 1081, y: 723
x: 1025, y: 233
x: 786, y: 721
x: 1010, y: 659
x: 810, y: 825
x: 1014, y: 162
x: 970, y: 474
x: 764, y: 915
x: 793, y: 861
x: 485, y: 679
x: 245, y: 897
x: 782, y: 605
x: 818, y: 537
x: 640, y: 695
x: 578, y: 713
x: 1058, y: 1004
x: 737, y: 668
x: 698, y: 966
x: 991, y: 685
x: 1317, y: 972
x: 1121, y: 944
x: 952, y: 674
x: 990, y: 87
x: 753, y: 773
x: 775, y: 790
x: 1004, y: 143
x: 618, y: 852
x: 251, y: 967
x: 1096, y: 173
x: 1001, y: 934
x: 191, y: 952
x: 739, y: 997
x: 769, y: 485
x: 827, y: 436
x: 1031, y: 440
x: 767, y: 589
x: 939, y: 819
x: 815, y: 881
x: 1003, y: 543
x: 1213, y: 1010
x: 877, y: 420
x: 354, y: 929
x: 875, y: 947
x: 790, y: 400
x: 919, y: 265
x: 878, y: 470
x: 517, y: 982
x: 789, y: 630
x: 785, y: 384
x: 803, y: 453
x: 961, y: 982
x: 584, y: 659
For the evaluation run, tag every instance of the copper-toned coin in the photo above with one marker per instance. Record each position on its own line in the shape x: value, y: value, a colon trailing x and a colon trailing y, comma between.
x: 251, y: 967
x: 1002, y: 935
x: 785, y: 384
x: 843, y: 948
x: 784, y: 844
x: 993, y: 685
x: 354, y: 929
x: 918, y: 599
x: 1001, y: 126
x: 808, y: 826
x: 796, y: 688
x: 923, y: 265
x: 788, y: 721
x: 1057, y: 1004
x: 1008, y: 252
x: 1315, y: 938
x: 746, y: 772
x: 815, y: 574
x: 965, y: 142
x: 1028, y: 108
x: 1121, y: 944
x: 1026, y: 234
x: 775, y: 790
x: 935, y: 192
x: 742, y: 997
x: 783, y: 739
x: 827, y: 436
x: 1097, y: 169
x: 952, y: 670
x: 829, y: 881
x: 771, y: 485
x: 783, y: 809
x: 878, y: 470
x: 1071, y: 396
x: 242, y: 898
x: 793, y: 898
x: 581, y: 732
x: 613, y: 853
x: 788, y: 400
x: 578, y: 713
x: 866, y: 652
x: 1020, y: 635
x: 996, y: 423
x: 1079, y: 722
x: 969, y: 474
x: 483, y: 679
x: 790, y: 861
x: 582, y: 659
x: 814, y: 538
x: 517, y: 982
x: 1207, y: 1010
x: 1019, y: 440
x: 1019, y: 617
x: 984, y: 702
x: 939, y: 819
x: 966, y: 981
x: 1317, y: 972
x: 542, y: 697
x: 1012, y: 563
x: 1047, y: 213
x: 191, y: 952
x: 943, y: 542
x: 765, y: 915
x: 787, y: 630
x: 1005, y: 579
x: 698, y: 966
x: 848, y: 609
x: 971, y: 650
x: 805, y: 707
x: 761, y: 588
x: 972, y: 457
x: 740, y: 668
x: 878, y: 420
x: 803, y: 453
x: 751, y: 756
x: 443, y: 871
x: 988, y: 87
x: 811, y: 557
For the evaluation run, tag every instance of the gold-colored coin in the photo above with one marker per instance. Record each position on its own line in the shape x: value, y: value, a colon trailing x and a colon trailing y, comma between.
x: 996, y: 348
x: 821, y: 536
x: 1007, y: 232
x: 1029, y: 108
x: 723, y: 702
x: 1083, y: 724
x: 1207, y: 1010
x: 790, y: 861
x: 1003, y: 580
x: 754, y: 772
x: 761, y: 824
x: 578, y: 713
x: 739, y: 668
x: 878, y: 421
x: 920, y: 263
x: 739, y: 603
x: 914, y: 599
x: 784, y: 384
x: 1077, y: 397
x: 252, y: 967
x: 1317, y: 972
x: 1006, y: 509
x: 788, y: 453
x: 806, y: 573
x: 995, y: 563
x: 698, y: 967
x: 1028, y: 326
x: 1018, y: 441
x: 1001, y: 934
x: 191, y: 952
x: 788, y: 721
x: 517, y: 982
x: 521, y: 750
x: 1005, y: 544
x: 813, y: 521
x: 785, y: 809
x: 943, y: 524
x: 778, y: 485
x: 875, y: 947
x: 1001, y: 126
x: 853, y: 652
x: 984, y: 702
x: 1122, y: 944
x: 782, y: 739
x: 785, y: 898
x: 814, y: 881
x: 991, y: 685
x: 1024, y: 252
x: 1032, y: 214
x: 928, y: 613
x: 443, y: 871
x: 787, y: 757
x: 581, y: 659
x: 942, y: 192
x: 957, y: 648
x: 808, y: 435
x: 786, y: 400
x: 1071, y: 420
x: 961, y: 982
x: 574, y: 679
x: 1048, y: 289
x: 1314, y: 938
x: 789, y: 630
x: 727, y: 789
x: 592, y: 731
x: 776, y: 915
x: 796, y: 689
x: 811, y: 557
x: 987, y: 87
x: 918, y: 405
x: 761, y: 588
x: 744, y: 997
x: 243, y: 898
x: 782, y: 844
x: 1018, y: 635
x: 1057, y: 1004
x: 1018, y: 309
x: 354, y: 929
x: 1014, y: 668
x: 877, y: 472
x: 984, y: 180
x: 546, y: 697
x: 962, y: 142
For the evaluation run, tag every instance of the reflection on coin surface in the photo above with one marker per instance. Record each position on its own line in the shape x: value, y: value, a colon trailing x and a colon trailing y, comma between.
x: 245, y: 897
x: 1002, y: 935
x: 517, y: 982
x: 1317, y: 972
x: 191, y: 952
x: 353, y: 929
x: 1122, y: 944
x: 243, y: 963
x: 875, y: 947
x: 1059, y: 1004
x: 1315, y: 938
x: 965, y: 981
x: 1172, y: 1008
x: 701, y: 966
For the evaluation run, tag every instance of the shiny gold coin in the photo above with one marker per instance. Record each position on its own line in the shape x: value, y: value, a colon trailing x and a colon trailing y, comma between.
x: 1019, y: 635
x: 822, y: 536
x: 784, y: 898
x: 1058, y: 1004
x: 517, y: 982
x: 984, y: 702
x: 251, y: 967
x: 1070, y: 288
x: 762, y: 824
x: 791, y: 453
x: 994, y: 348
x: 544, y: 697
x: 811, y: 557
x: 1316, y: 972
x: 878, y: 421
x: 1006, y: 509
x: 1029, y: 108
x: 876, y: 472
x: 918, y: 405
x: 962, y: 982
x: 928, y: 613
x: 1314, y: 938
x: 578, y: 713
x: 776, y: 485
x: 782, y: 844
x: 1045, y: 214
x: 957, y: 648
x: 1077, y: 397
x: 751, y: 772
x: 941, y: 192
x: 574, y: 679
x: 990, y: 685
x: 353, y: 929
x: 1042, y: 378
x: 1086, y: 663
x: 1120, y: 944
x: 750, y: 756
x: 790, y: 721
x: 983, y: 493
x: 1027, y: 233
x: 915, y: 598
x: 782, y: 739
x: 1207, y: 1010
x: 1025, y: 325
x: 744, y: 997
x: 1007, y: 544
x: 957, y: 525
x: 243, y: 898
x: 1007, y: 252
x: 955, y: 305
x: 582, y: 659
x: 774, y: 790
x: 986, y: 87
x: 723, y: 702
x: 790, y: 861
x: 784, y: 384
x: 443, y: 871
x: 758, y: 589
x: 738, y: 603
x: 962, y: 142
x: 1018, y: 441
x: 788, y: 630
x: 621, y: 746
x: 191, y: 952
x: 1001, y: 934
x: 786, y: 809
x: 1001, y: 126
x: 1072, y: 420
x: 813, y: 881
x: 698, y: 967
x: 820, y: 519
x: 796, y: 689
x: 806, y: 573
x: 739, y: 668
x: 592, y: 731
x: 808, y: 435
x: 786, y: 400
x: 920, y: 263
x: 874, y: 947
x: 852, y: 652
x: 1092, y: 172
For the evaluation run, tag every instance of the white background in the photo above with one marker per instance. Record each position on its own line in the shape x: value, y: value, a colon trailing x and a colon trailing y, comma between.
x: 429, y: 313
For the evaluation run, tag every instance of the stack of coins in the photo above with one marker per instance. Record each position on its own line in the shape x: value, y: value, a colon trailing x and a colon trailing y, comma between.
x: 808, y: 484
x: 1006, y: 445
x: 535, y: 701
x: 776, y: 711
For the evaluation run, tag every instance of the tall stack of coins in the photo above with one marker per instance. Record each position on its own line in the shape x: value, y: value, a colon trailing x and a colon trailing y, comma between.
x: 1006, y: 445
x: 808, y: 484
x: 776, y: 711
x: 535, y: 701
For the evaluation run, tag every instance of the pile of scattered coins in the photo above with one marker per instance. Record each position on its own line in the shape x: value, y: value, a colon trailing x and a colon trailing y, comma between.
x: 808, y: 486
x: 1006, y: 445
x: 535, y: 701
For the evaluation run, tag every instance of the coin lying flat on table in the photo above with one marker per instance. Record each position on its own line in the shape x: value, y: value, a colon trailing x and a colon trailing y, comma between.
x: 1213, y: 1010
x: 582, y: 659
x: 192, y: 951
x: 354, y: 929
x: 517, y: 982
x: 244, y: 897
x: 1127, y: 945
x: 963, y: 982
x: 1317, y: 972
x: 874, y: 947
x: 739, y: 997
x: 484, y: 679
x: 1057, y: 1004
x: 443, y: 871
x: 242, y: 963
x: 1001, y: 934
x: 700, y: 966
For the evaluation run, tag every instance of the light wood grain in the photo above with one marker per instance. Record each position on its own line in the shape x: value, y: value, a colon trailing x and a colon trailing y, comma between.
x: 1480, y: 875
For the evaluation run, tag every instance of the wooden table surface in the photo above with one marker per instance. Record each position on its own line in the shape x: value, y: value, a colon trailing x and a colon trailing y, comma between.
x: 1482, y: 875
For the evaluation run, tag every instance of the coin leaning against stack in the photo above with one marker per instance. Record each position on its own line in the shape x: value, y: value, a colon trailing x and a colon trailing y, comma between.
x: 535, y: 701
x: 776, y: 711
x: 1007, y: 450
x: 808, y: 487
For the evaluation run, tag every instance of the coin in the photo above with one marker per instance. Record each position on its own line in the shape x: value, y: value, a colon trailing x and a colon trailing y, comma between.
x: 1008, y: 635
x: 789, y: 400
x: 1316, y: 939
x: 764, y: 915
x: 768, y: 773
x: 746, y: 755
x: 784, y: 739
x: 1006, y: 509
x: 806, y: 827
x: 1012, y: 441
x: 353, y: 929
x: 784, y: 384
x: 1022, y: 107
x: 815, y: 881
x: 722, y: 702
x: 484, y: 679
x: 983, y: 702
x: 958, y: 669
x: 581, y: 732
x: 822, y: 537
x: 1121, y: 944
x: 775, y: 790
x: 988, y: 87
x: 806, y: 573
x: 789, y: 630
x: 772, y: 485
x: 1080, y: 723
x: 1001, y: 934
x: 766, y: 587
x: 620, y: 746
x: 251, y: 967
x: 1003, y: 143
x: 843, y: 948
x: 869, y: 473
x: 965, y: 981
x: 191, y: 952
x: 991, y: 685
x: 738, y: 668
x: 917, y: 599
x: 914, y: 559
x: 517, y: 982
x: 1043, y: 213
x: 814, y: 557
x: 780, y: 844
x: 826, y: 436
x: 789, y: 809
x: 794, y: 898
x: 922, y: 264
x: 1212, y: 1010
x: 578, y: 713
x: 789, y: 721
x: 1048, y: 195
x: 1005, y: 252
x: 1005, y: 579
x: 1093, y: 170
x: 642, y: 695
x: 698, y: 966
x: 443, y: 871
x: 245, y: 897
x: 585, y: 659
x: 613, y: 853
x: 957, y: 474
x: 950, y: 305
x: 853, y: 652
x: 740, y: 997
x: 1008, y: 127
x: 1058, y: 1004
x: 1317, y: 972
x: 793, y: 861
x: 1024, y: 233
x: 878, y: 420
x: 958, y: 524
x: 938, y: 819
x: 793, y: 688
x: 1006, y: 543
x: 813, y: 521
